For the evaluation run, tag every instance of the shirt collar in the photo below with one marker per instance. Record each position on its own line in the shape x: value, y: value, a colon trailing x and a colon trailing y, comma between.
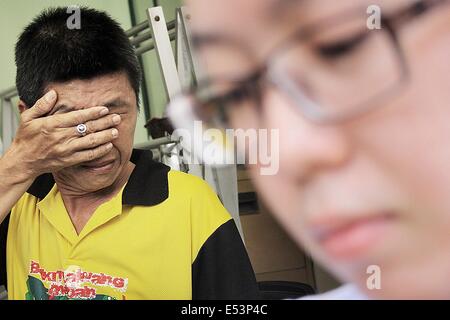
x: 147, y: 186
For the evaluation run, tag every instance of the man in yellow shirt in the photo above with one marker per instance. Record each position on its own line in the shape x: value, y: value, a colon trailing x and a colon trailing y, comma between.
x: 91, y: 218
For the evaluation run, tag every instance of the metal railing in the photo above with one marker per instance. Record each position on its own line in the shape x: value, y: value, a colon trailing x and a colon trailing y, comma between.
x: 8, y: 93
x: 9, y: 118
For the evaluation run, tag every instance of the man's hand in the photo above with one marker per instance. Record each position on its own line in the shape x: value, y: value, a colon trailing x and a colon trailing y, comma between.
x: 49, y: 143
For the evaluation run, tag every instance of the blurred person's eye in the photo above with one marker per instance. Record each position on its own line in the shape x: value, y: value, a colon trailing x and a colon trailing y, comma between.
x: 340, y: 48
x: 220, y: 98
x: 237, y: 95
x: 231, y: 99
x: 233, y: 92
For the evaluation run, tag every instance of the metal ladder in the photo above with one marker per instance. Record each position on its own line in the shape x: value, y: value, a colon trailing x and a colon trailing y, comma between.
x: 179, y: 73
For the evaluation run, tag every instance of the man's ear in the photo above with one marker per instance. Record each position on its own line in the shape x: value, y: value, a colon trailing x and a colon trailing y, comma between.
x: 22, y: 106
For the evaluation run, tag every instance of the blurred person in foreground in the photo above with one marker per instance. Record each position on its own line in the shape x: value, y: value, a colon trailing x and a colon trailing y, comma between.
x: 363, y: 118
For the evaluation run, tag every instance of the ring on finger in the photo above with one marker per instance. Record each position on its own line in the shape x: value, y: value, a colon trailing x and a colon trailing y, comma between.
x: 82, y: 129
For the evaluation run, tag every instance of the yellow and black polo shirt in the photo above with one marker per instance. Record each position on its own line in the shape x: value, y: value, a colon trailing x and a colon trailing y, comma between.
x: 165, y: 235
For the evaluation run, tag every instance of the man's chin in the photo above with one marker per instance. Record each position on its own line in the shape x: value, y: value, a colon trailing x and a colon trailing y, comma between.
x: 95, y: 184
x: 97, y: 178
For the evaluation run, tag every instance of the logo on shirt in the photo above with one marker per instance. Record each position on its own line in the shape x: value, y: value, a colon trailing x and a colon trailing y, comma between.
x: 72, y: 283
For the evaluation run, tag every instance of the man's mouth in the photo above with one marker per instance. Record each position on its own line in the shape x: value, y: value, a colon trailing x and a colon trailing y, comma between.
x: 350, y: 238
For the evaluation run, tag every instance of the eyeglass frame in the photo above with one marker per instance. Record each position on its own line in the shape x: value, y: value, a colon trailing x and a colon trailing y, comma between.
x: 251, y: 85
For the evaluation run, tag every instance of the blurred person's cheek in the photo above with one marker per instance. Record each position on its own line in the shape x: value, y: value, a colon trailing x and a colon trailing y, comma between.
x: 406, y: 146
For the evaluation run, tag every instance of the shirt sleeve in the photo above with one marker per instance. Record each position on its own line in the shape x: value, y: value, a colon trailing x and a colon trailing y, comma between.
x: 222, y: 269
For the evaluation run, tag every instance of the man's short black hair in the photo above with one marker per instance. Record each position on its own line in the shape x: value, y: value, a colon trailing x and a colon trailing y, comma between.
x: 49, y: 51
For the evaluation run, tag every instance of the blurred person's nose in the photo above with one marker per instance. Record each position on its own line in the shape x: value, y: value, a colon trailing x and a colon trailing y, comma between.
x: 305, y: 148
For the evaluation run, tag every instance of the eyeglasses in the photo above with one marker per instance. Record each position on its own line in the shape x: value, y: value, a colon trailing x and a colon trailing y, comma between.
x: 332, y: 71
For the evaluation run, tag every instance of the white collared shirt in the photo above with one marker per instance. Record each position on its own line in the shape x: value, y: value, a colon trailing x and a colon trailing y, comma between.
x: 345, y: 292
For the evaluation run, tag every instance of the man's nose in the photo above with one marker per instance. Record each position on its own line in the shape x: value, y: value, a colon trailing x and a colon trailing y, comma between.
x: 305, y: 148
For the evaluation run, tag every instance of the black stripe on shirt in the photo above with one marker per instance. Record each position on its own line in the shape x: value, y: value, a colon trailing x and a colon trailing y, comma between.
x: 222, y: 268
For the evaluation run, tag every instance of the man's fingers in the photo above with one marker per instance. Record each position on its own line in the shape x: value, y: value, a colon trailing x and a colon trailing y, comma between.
x: 74, y: 118
x: 102, y: 123
x: 89, y: 155
x: 93, y: 140
x: 41, y: 107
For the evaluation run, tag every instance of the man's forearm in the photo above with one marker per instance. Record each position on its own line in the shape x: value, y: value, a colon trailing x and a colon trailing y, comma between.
x: 14, y: 182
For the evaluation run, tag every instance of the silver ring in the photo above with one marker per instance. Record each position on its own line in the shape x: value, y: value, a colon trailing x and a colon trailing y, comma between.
x: 82, y: 129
